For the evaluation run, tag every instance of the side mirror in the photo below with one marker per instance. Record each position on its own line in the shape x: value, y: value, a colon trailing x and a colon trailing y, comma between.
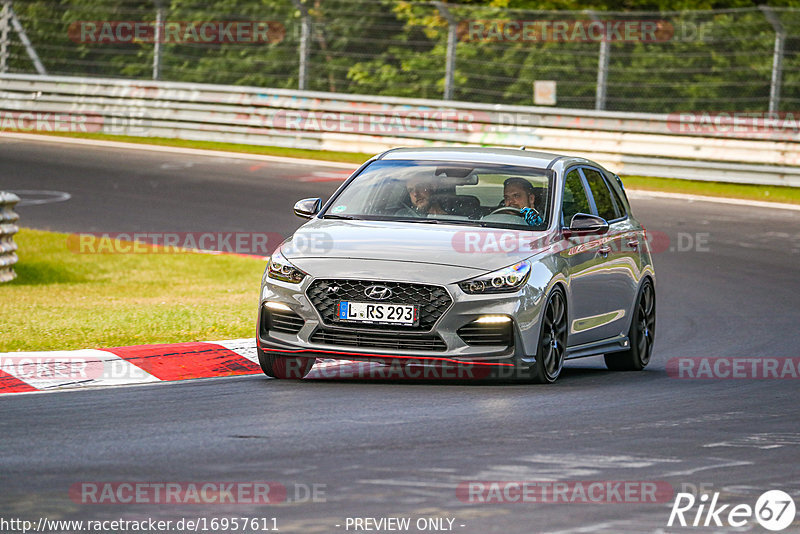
x: 583, y: 223
x: 308, y: 207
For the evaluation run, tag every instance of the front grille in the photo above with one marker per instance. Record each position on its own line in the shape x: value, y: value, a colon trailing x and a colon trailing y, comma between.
x: 433, y: 301
x: 379, y: 340
x: 483, y: 334
x: 280, y: 321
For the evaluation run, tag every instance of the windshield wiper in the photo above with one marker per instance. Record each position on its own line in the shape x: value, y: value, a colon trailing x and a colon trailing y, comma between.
x: 335, y: 216
x: 420, y: 220
x: 461, y: 222
x: 468, y: 222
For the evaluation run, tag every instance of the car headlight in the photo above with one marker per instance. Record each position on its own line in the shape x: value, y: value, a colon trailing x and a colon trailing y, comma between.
x: 280, y: 268
x: 506, y: 280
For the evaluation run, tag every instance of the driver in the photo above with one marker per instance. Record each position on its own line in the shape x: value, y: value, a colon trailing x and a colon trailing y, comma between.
x: 519, y: 193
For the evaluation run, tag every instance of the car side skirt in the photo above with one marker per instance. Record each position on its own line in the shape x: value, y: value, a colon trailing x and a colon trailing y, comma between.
x: 595, y: 348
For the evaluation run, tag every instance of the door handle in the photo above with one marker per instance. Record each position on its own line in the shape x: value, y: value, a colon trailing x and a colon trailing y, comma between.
x: 604, y: 250
x: 633, y: 243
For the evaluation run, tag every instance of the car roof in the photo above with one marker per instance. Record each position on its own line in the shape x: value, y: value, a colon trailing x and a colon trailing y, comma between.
x: 506, y: 156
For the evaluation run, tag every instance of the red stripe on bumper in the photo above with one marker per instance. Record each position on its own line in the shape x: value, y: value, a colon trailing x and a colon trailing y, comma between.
x: 322, y: 353
x: 182, y: 361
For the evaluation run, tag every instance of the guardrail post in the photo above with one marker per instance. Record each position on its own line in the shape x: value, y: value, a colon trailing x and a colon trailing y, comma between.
x: 158, y: 39
x: 602, y: 67
x: 777, y: 58
x: 305, y: 39
x: 450, y: 62
x: 602, y: 75
x: 8, y: 227
x: 5, y: 19
x: 37, y: 63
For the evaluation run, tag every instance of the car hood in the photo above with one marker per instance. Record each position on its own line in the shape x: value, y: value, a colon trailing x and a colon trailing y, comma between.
x: 473, y: 248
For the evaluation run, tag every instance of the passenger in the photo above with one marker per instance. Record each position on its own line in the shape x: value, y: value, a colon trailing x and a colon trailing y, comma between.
x: 423, y: 201
x: 519, y: 193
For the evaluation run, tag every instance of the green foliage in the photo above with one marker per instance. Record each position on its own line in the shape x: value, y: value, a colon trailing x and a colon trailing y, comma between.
x: 718, y: 60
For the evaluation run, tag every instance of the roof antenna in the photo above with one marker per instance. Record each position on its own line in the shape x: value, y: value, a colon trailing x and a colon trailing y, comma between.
x: 522, y: 147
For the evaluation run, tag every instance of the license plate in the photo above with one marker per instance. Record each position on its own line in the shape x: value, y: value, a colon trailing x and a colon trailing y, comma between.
x: 378, y: 313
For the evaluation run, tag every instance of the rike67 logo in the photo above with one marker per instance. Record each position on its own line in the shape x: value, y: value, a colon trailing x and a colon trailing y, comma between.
x: 774, y: 510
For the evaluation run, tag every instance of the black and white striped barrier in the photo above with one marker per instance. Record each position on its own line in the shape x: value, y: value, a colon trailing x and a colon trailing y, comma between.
x: 8, y: 227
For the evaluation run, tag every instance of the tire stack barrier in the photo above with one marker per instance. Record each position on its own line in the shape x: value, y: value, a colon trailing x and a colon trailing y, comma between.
x: 8, y: 227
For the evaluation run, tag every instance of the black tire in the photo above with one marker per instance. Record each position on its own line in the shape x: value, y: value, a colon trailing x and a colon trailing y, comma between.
x: 552, y: 340
x: 284, y: 367
x: 641, y: 335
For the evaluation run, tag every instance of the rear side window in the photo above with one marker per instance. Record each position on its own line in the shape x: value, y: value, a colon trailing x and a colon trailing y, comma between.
x: 602, y: 196
x: 575, y: 199
x: 621, y: 205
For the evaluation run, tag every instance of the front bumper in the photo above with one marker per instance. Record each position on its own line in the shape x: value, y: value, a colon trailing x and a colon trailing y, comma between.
x: 483, y: 368
x: 523, y: 307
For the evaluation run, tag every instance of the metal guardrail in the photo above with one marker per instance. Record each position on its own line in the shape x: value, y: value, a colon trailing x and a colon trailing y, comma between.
x: 628, y: 143
x: 8, y: 227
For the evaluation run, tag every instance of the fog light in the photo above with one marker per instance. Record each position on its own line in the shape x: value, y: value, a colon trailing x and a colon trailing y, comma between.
x: 277, y: 306
x: 493, y: 319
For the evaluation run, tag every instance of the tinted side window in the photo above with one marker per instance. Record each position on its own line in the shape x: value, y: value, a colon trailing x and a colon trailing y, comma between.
x: 601, y: 194
x: 621, y: 209
x: 575, y: 199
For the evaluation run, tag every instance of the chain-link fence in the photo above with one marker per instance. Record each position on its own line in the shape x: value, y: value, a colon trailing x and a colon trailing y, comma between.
x: 732, y: 60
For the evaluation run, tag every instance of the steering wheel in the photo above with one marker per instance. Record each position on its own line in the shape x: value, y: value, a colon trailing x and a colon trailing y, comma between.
x: 512, y: 211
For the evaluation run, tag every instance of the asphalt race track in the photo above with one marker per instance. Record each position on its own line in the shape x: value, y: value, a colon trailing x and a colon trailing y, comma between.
x: 727, y: 287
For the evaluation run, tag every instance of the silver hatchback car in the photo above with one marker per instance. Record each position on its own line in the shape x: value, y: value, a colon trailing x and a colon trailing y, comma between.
x: 500, y: 259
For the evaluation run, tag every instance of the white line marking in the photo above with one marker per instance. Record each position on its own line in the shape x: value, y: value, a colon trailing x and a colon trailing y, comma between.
x: 178, y: 150
x: 773, y: 440
x: 705, y: 468
x: 49, y: 196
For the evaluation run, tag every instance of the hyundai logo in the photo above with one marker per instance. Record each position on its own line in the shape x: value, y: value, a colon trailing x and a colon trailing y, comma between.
x: 378, y: 292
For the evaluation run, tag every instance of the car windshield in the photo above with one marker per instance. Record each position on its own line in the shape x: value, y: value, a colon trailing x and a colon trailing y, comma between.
x: 502, y: 196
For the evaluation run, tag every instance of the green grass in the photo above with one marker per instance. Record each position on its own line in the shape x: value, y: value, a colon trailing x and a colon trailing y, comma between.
x: 768, y: 193
x: 66, y: 300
